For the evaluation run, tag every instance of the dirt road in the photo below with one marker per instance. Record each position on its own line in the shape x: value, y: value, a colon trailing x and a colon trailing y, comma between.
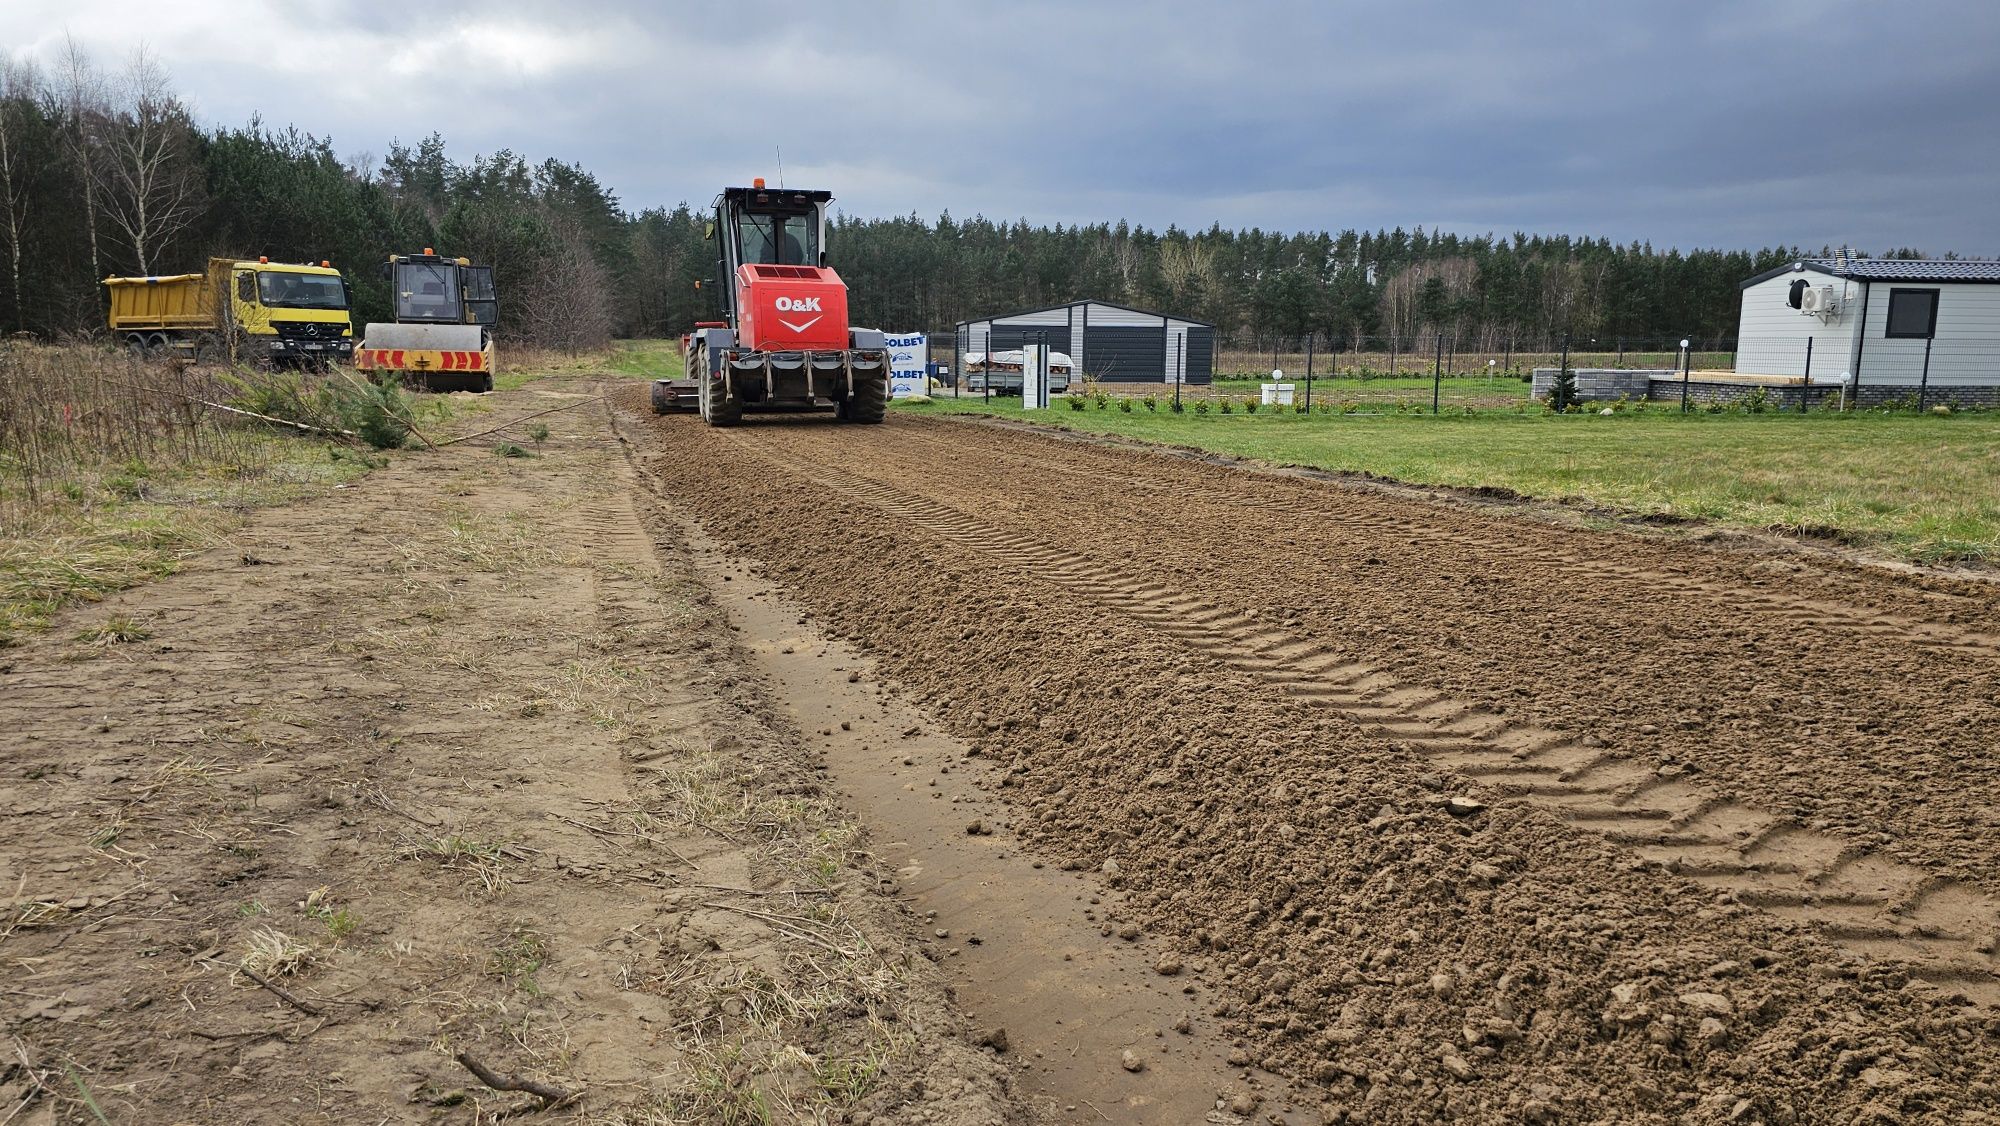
x: 463, y: 759
x: 1463, y: 814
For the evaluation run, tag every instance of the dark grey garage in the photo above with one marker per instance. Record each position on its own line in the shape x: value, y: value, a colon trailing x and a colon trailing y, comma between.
x: 1108, y: 343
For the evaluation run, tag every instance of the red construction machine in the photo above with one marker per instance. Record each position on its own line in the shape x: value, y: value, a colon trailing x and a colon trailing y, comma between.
x: 784, y: 343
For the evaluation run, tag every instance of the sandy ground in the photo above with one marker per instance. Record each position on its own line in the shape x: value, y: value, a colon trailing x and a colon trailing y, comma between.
x: 460, y: 760
x: 1462, y: 815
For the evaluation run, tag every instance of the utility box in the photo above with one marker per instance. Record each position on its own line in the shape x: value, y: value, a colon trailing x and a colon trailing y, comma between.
x: 1278, y: 394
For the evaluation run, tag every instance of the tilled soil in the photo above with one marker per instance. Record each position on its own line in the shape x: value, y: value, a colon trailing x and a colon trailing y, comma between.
x: 1467, y: 815
x: 459, y: 760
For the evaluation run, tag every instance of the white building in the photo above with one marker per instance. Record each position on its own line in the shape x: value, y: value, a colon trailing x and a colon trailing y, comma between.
x: 1887, y: 325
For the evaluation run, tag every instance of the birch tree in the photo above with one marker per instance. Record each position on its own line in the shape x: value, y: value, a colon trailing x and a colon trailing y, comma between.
x: 20, y: 95
x: 153, y: 188
x: 78, y: 89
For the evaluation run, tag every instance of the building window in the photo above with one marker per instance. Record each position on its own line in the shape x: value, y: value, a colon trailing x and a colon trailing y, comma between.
x: 1912, y: 314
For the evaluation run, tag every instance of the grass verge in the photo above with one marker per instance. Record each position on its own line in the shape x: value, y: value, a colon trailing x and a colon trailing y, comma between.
x: 1924, y: 488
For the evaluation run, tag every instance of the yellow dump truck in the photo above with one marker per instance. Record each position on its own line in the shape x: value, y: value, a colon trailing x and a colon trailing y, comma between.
x: 250, y: 310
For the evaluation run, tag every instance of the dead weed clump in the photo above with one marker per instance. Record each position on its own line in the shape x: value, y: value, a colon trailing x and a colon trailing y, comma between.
x: 483, y: 861
x: 272, y: 954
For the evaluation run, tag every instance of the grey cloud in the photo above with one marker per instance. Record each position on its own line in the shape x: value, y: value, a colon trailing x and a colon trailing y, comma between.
x: 1695, y: 123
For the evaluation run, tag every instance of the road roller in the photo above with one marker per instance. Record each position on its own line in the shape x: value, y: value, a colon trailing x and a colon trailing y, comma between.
x: 442, y: 338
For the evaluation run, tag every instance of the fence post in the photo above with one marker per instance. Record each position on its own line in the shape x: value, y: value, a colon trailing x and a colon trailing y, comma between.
x: 1924, y: 381
x: 1509, y: 362
x: 1437, y: 373
x: 1805, y: 384
x: 1621, y: 353
x: 1309, y: 372
x: 1687, y: 370
x: 1558, y: 391
x: 1392, y: 354
x: 1180, y: 376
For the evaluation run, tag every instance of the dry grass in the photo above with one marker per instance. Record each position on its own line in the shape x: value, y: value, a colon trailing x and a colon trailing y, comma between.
x: 484, y: 861
x: 273, y: 954
x: 111, y: 475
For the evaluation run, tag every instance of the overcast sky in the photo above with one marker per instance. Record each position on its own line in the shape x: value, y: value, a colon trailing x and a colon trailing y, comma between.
x: 1685, y: 123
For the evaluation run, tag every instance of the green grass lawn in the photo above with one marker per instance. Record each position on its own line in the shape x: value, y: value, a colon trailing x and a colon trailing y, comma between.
x: 647, y: 359
x: 1923, y: 487
x: 1374, y: 394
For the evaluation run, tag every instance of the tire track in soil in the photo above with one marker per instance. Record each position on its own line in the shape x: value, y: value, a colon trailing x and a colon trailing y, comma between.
x: 1099, y: 996
x: 1946, y: 932
x: 1803, y: 611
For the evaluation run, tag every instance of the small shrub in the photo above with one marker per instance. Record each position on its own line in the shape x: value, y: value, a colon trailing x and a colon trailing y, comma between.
x: 1227, y: 406
x: 1152, y: 402
x: 1250, y: 405
x: 1349, y: 407
x: 1941, y: 410
x: 1757, y: 401
x: 1103, y: 400
x: 1300, y: 408
x: 1125, y: 405
x: 509, y: 449
x: 538, y: 433
x: 1177, y: 407
x: 374, y: 411
x: 1201, y: 406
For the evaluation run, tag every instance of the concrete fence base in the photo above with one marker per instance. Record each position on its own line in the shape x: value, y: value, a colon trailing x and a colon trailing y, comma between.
x: 1664, y: 386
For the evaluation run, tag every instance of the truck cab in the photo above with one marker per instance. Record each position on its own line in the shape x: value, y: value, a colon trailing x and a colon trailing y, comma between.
x: 290, y: 312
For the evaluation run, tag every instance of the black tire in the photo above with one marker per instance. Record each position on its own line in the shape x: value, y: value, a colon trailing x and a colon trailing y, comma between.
x: 486, y: 385
x: 718, y: 408
x: 659, y: 396
x: 869, y: 404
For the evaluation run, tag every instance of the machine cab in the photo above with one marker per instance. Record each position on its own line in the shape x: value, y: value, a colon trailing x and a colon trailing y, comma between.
x: 433, y: 289
x: 770, y: 227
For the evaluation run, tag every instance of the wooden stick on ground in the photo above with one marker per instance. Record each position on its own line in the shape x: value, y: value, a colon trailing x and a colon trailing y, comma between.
x: 247, y: 414
x: 550, y: 1095
x: 274, y: 987
x: 523, y: 418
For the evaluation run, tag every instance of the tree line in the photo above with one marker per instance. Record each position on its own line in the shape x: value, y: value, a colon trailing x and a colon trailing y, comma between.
x: 105, y: 171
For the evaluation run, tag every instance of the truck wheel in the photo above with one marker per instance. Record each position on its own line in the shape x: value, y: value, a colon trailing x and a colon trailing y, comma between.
x: 135, y: 343
x: 659, y: 396
x: 869, y: 404
x: 718, y: 408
